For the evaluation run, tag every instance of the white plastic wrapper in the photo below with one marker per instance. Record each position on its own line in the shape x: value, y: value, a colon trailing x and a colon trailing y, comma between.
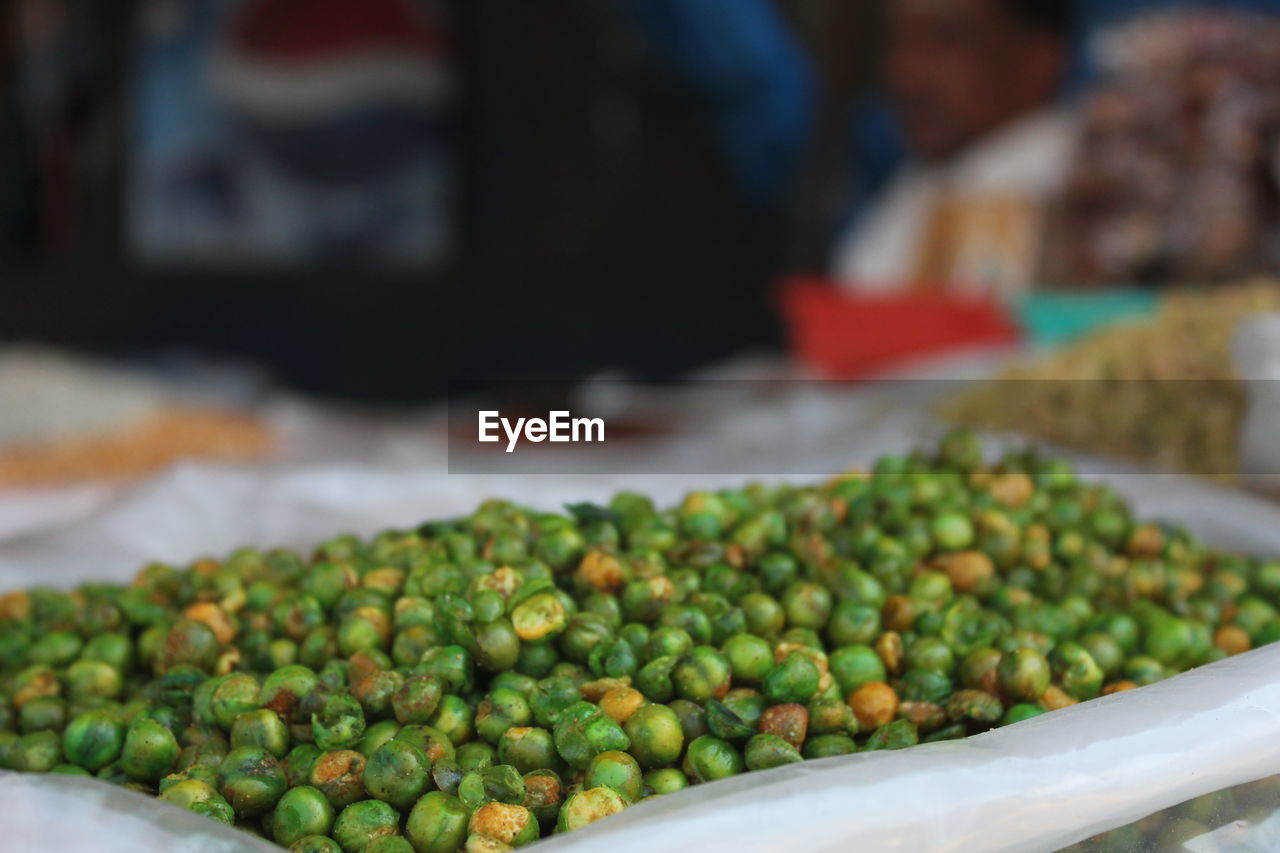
x: 1037, y: 786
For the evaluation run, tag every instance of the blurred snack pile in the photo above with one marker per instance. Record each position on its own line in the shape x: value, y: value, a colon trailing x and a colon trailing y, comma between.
x: 66, y: 422
x: 1176, y: 174
x: 1163, y: 391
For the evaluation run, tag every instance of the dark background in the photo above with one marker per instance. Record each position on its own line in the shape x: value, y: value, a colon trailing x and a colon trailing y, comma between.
x: 599, y: 228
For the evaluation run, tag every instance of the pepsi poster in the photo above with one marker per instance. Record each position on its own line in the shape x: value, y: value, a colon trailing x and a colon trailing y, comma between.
x: 293, y: 133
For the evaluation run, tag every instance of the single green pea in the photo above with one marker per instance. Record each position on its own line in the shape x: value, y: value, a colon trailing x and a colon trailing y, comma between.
x: 298, y: 762
x: 666, y: 780
x: 1076, y: 670
x: 501, y: 710
x: 766, y: 751
x: 37, y: 752
x: 398, y: 773
x: 529, y: 748
x: 233, y: 696
x: 262, y: 728
x: 71, y: 770
x: 437, y: 824
x: 417, y: 699
x: 499, y: 783
x: 149, y: 752
x: 855, y: 665
x: 376, y: 735
x: 433, y: 742
x: 315, y: 844
x: 1024, y: 674
x: 726, y: 724
x: 854, y: 623
x: 899, y: 734
x: 795, y: 679
x: 300, y: 812
x: 359, y: 824
x: 750, y: 658
x: 826, y: 746
x: 94, y: 739
x: 251, y: 779
x: 1020, y: 712
x: 587, y: 806
x: 952, y: 531
x: 584, y: 731
x: 544, y: 794
x: 43, y: 713
x: 617, y: 770
x: 712, y: 758
x: 475, y: 755
x: 977, y: 708
x: 339, y: 724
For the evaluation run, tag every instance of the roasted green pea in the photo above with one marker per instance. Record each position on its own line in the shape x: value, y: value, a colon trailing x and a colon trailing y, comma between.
x: 499, y: 783
x: 766, y: 751
x: 397, y: 773
x: 475, y: 755
x: 339, y: 724
x: 503, y: 709
x: 617, y: 770
x: 588, y: 806
x: 149, y: 752
x: 1024, y: 674
x: 359, y: 824
x: 251, y: 780
x: 301, y: 812
x: 795, y: 679
x: 826, y: 746
x: 417, y: 699
x: 657, y: 736
x: 437, y: 824
x: 37, y: 752
x: 339, y: 775
x: 583, y: 731
x: 529, y: 748
x: 454, y: 718
x: 93, y: 739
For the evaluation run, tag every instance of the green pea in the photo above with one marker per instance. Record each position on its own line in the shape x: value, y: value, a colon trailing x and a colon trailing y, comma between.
x: 360, y: 824
x: 1018, y: 713
x: 795, y: 679
x: 711, y: 758
x: 855, y: 665
x: 300, y: 812
x: 656, y: 734
x: 529, y: 748
x: 149, y: 751
x: 899, y: 734
x: 261, y: 728
x: 826, y: 746
x: 750, y: 658
x: 251, y: 780
x: 37, y: 752
x: 667, y: 780
x: 397, y: 773
x: 617, y: 770
x: 587, y: 806
x: 339, y: 723
x: 583, y: 731
x: 1024, y: 674
x: 766, y: 751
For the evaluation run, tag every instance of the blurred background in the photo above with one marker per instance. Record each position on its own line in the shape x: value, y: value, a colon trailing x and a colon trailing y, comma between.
x: 205, y: 204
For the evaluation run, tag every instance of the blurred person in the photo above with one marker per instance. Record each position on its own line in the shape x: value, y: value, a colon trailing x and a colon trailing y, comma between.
x: 295, y: 132
x: 949, y: 169
x: 975, y: 85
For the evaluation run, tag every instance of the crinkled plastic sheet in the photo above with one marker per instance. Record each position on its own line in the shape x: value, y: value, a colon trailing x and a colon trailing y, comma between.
x: 1037, y: 786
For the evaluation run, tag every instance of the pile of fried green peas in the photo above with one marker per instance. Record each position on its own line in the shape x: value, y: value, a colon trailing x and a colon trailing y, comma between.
x: 484, y: 682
